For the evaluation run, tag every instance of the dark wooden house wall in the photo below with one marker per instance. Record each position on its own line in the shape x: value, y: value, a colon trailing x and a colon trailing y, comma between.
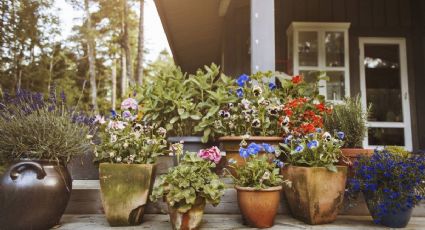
x: 368, y: 18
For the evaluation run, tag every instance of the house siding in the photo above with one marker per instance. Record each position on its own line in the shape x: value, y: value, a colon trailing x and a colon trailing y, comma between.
x: 368, y: 18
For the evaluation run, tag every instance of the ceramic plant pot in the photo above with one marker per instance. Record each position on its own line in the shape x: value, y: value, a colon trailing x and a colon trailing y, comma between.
x: 189, y: 220
x: 398, y: 219
x: 231, y: 145
x: 125, y: 190
x: 33, y: 195
x: 351, y: 155
x: 259, y: 207
x: 316, y: 194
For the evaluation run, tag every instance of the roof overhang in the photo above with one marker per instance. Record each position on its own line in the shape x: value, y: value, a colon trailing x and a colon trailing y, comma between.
x: 194, y: 30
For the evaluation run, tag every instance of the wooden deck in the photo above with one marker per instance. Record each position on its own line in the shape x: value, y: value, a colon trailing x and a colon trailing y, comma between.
x: 220, y: 221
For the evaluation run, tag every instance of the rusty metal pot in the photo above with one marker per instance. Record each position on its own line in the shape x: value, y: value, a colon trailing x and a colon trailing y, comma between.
x: 33, y: 195
x: 259, y: 207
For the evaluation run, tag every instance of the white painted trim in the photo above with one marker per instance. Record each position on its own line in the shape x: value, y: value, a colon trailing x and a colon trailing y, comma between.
x: 321, y: 28
x: 406, y: 124
x: 85, y: 184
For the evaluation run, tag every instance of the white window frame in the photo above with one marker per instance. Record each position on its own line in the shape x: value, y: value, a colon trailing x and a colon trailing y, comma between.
x: 406, y: 124
x: 320, y: 28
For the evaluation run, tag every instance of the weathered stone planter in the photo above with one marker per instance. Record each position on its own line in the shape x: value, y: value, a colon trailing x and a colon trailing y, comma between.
x: 316, y: 194
x: 33, y: 194
x: 259, y: 207
x: 231, y: 145
x: 125, y: 190
x: 189, y: 220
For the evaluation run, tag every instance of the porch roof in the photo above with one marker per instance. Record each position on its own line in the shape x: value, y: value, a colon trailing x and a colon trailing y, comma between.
x: 194, y: 30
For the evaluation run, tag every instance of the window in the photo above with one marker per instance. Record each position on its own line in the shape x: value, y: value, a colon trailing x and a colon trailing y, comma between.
x: 316, y: 48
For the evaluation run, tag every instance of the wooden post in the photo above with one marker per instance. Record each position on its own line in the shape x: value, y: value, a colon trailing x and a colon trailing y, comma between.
x: 262, y: 36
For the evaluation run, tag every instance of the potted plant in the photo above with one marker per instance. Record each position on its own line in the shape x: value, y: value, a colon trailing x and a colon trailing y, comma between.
x: 187, y: 187
x: 258, y: 184
x: 179, y: 102
x: 266, y: 113
x: 318, y: 185
x: 38, y: 137
x: 393, y: 183
x: 127, y: 154
x: 349, y: 118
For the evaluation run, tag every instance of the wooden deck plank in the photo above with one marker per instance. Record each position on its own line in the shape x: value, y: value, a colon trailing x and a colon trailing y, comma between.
x: 214, y: 221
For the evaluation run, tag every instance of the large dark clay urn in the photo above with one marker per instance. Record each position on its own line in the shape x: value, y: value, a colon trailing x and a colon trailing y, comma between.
x: 33, y: 195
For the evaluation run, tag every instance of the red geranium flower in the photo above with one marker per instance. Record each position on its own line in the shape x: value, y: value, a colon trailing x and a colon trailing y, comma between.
x: 296, y: 79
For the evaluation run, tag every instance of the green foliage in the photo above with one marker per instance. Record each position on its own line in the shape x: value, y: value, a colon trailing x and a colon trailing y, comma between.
x: 313, y: 150
x: 257, y: 172
x: 183, y: 103
x: 50, y: 135
x: 191, y: 179
x: 349, y: 118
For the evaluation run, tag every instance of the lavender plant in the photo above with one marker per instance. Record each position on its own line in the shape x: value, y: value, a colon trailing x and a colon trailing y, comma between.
x: 37, y: 128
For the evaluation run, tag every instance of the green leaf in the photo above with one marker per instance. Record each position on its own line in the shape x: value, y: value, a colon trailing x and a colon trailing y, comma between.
x: 195, y: 117
x: 180, y: 111
x: 332, y: 168
x: 174, y: 119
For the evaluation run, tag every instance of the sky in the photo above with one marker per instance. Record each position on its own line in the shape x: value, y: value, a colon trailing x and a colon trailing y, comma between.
x: 155, y: 39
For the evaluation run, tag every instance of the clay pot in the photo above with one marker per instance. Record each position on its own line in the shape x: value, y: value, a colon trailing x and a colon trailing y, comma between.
x: 33, y: 194
x: 189, y: 220
x: 231, y: 145
x: 259, y: 207
x: 316, y: 194
x: 125, y: 190
x: 351, y: 155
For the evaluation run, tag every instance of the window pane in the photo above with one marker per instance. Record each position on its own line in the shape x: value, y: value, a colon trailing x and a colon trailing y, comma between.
x: 383, y: 84
x: 386, y: 136
x: 334, y: 46
x: 310, y: 76
x: 335, y: 87
x: 307, y: 48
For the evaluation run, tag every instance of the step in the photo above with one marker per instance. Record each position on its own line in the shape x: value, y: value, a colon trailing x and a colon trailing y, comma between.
x: 220, y: 221
x: 85, y: 199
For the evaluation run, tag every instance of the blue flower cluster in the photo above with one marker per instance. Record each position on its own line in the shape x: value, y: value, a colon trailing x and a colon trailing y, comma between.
x: 253, y: 149
x: 395, y: 182
x: 242, y: 79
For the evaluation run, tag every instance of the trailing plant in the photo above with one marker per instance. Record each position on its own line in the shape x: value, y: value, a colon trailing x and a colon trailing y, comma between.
x: 259, y: 171
x: 179, y: 102
x: 392, y: 179
x: 317, y: 149
x: 193, y: 178
x: 125, y: 140
x: 34, y: 127
x: 349, y: 118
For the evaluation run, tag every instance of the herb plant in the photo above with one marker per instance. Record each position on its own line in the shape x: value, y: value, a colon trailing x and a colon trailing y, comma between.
x: 391, y: 179
x: 349, y: 118
x: 179, y: 102
x: 33, y: 127
x: 125, y: 140
x: 259, y: 171
x: 316, y: 149
x: 192, y: 179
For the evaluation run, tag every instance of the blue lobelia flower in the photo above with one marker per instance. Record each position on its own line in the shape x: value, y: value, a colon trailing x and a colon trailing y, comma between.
x: 318, y: 130
x: 272, y: 86
x: 243, y: 152
x: 268, y: 148
x: 313, y: 144
x: 254, y: 148
x: 341, y: 135
x: 299, y: 148
x: 242, y: 79
x: 278, y: 163
x: 239, y: 92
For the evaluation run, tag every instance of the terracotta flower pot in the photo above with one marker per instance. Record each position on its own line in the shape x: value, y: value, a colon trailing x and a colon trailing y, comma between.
x: 125, y: 190
x: 351, y: 155
x: 259, y: 207
x: 189, y: 220
x: 33, y: 194
x: 231, y: 145
x: 316, y: 194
